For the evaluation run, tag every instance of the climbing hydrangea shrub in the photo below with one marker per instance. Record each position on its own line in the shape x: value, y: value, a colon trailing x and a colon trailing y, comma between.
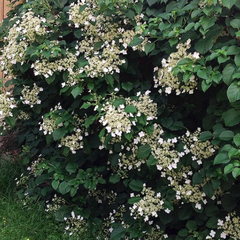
x: 127, y: 114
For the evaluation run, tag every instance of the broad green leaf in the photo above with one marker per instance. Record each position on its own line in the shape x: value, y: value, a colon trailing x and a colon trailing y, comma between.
x: 136, y: 41
x: 149, y: 47
x: 205, y: 135
x: 136, y: 185
x: 128, y: 86
x: 76, y: 91
x: 11, y: 121
x: 114, y: 178
x: 130, y: 109
x: 50, y: 80
x: 204, y: 45
x: 236, y: 139
x: 212, y: 222
x: 228, y: 3
x: 233, y: 92
x: 151, y: 161
x: 184, y: 212
x: 197, y: 178
x: 55, y: 184
x: 151, y: 2
x: 226, y: 135
x: 183, y: 233
x: 64, y: 187
x: 235, y: 23
x: 221, y: 158
x: 118, y: 233
x: 228, y: 72
x: 231, y: 117
x: 233, y: 50
x: 191, y: 225
x: 208, y: 189
x: 72, y: 167
x: 134, y: 200
x: 236, y: 172
x: 143, y: 151
x: 89, y: 121
x: 237, y: 60
x: 228, y: 168
x: 109, y: 79
x: 58, y: 134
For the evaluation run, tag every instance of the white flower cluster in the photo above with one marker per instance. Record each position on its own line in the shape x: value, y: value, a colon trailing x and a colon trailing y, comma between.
x: 74, y: 141
x: 144, y: 104
x: 30, y: 95
x: 105, y: 39
x: 230, y: 226
x: 166, y: 80
x: 7, y: 104
x: 149, y: 206
x: 49, y: 120
x: 26, y: 29
x: 116, y: 120
x: 181, y: 182
x: 56, y: 203
x: 75, y: 225
x: 199, y: 149
x: 47, y: 69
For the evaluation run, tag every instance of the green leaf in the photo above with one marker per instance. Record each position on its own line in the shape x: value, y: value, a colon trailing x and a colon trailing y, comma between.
x: 236, y: 139
x: 151, y: 161
x: 205, y: 135
x: 55, y: 184
x: 64, y: 187
x: 136, y: 185
x: 235, y: 23
x: 228, y: 168
x: 58, y: 134
x: 197, y: 178
x: 184, y: 212
x: 237, y: 60
x: 228, y: 72
x: 130, y: 109
x: 236, y: 172
x: 212, y: 222
x: 151, y: 2
x: 128, y: 86
x: 50, y: 79
x: 109, y: 79
x: 86, y: 106
x: 72, y: 167
x: 11, y: 121
x: 231, y: 117
x: 191, y: 225
x: 149, y: 47
x: 226, y: 135
x: 228, y: 3
x: 89, y: 121
x: 233, y: 92
x: 114, y: 178
x: 143, y: 151
x: 76, y: 91
x: 136, y: 41
x: 118, y: 232
x: 203, y: 45
x: 183, y: 233
x: 134, y: 200
x: 221, y: 158
x: 208, y: 189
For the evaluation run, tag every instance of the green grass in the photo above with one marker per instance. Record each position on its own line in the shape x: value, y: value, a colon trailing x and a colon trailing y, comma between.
x: 19, y: 222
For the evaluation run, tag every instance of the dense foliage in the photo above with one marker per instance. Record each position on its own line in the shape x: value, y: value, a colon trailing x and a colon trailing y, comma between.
x: 128, y: 114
